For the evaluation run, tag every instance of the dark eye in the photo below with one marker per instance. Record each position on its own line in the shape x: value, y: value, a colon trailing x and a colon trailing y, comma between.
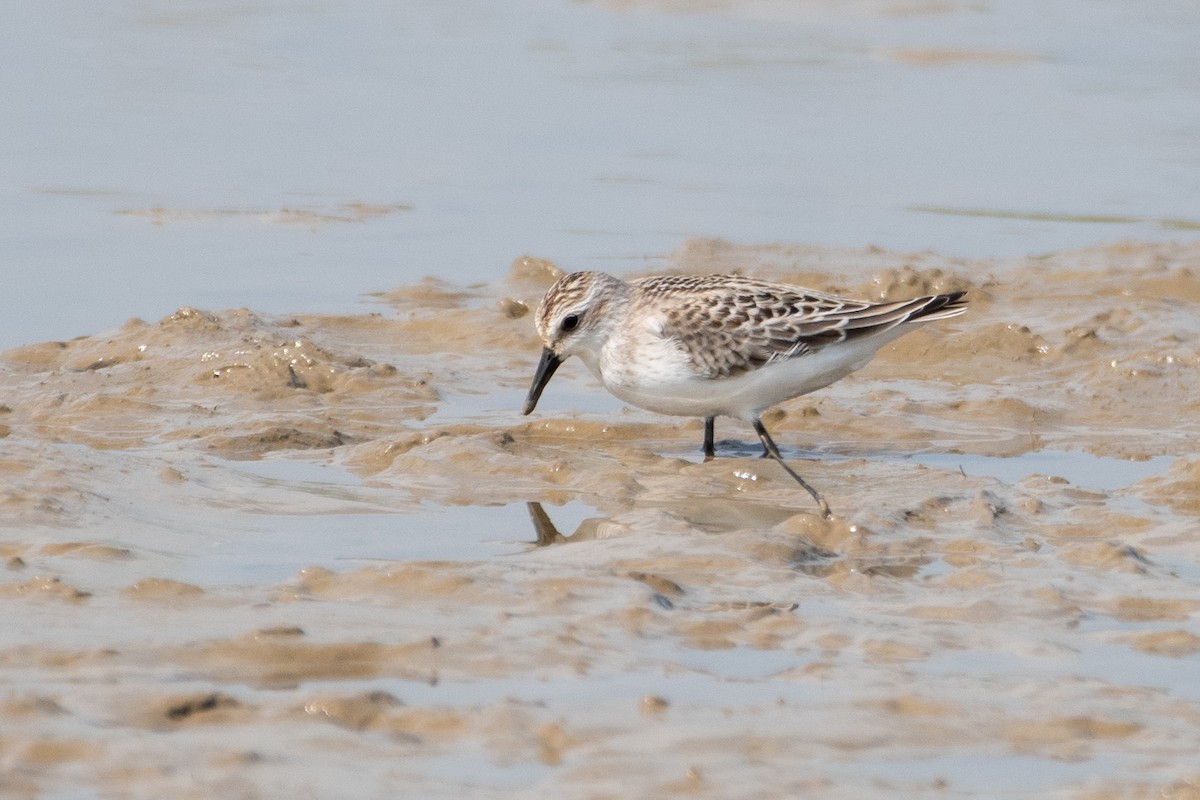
x: 570, y: 322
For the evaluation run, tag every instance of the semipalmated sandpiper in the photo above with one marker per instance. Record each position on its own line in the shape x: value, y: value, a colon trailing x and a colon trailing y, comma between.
x: 706, y: 346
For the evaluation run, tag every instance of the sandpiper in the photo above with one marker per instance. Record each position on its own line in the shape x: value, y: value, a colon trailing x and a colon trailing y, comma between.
x: 707, y: 346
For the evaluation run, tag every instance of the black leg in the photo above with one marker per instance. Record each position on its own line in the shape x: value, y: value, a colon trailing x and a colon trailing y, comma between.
x: 709, y: 450
x: 773, y: 451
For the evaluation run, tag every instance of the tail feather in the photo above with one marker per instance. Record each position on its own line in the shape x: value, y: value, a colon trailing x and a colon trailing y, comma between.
x: 877, y: 320
x: 940, y: 306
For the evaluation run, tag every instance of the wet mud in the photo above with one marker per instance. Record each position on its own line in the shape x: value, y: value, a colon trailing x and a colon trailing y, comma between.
x: 248, y: 555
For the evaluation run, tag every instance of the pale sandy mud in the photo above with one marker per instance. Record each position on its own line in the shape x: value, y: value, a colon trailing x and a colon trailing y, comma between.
x: 249, y: 556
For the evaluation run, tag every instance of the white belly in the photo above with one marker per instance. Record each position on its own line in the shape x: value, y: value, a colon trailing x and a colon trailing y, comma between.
x: 667, y: 386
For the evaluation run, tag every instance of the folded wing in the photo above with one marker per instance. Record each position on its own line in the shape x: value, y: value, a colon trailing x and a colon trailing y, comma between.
x: 731, y: 328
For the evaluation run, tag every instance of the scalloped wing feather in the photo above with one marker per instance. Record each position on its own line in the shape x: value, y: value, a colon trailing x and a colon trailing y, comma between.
x: 736, y: 326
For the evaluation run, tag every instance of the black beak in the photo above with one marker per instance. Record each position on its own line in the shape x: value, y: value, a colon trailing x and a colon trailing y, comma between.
x: 545, y: 370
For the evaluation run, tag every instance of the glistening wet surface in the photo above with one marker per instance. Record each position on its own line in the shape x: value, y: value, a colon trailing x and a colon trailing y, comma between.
x: 255, y: 555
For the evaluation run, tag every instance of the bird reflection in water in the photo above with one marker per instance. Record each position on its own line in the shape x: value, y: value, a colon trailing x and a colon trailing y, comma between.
x: 547, y: 533
x: 806, y: 557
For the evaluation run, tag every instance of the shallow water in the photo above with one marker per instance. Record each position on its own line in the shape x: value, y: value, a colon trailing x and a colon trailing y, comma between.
x: 297, y: 157
x: 251, y: 554
x: 1080, y: 468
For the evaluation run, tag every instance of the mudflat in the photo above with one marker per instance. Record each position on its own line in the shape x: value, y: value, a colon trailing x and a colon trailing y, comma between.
x: 249, y: 555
